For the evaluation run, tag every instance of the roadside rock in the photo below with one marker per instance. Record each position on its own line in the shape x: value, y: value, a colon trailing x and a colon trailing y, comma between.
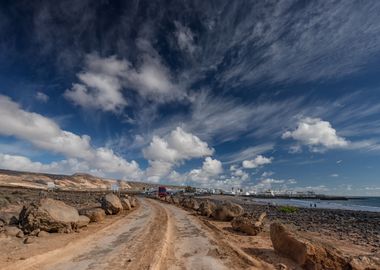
x: 227, y: 211
x: 248, y: 225
x: 111, y: 204
x: 126, y: 204
x: 174, y: 200
x: 28, y: 240
x: 206, y: 208
x: 309, y: 255
x: 20, y: 234
x: 43, y: 234
x: 190, y: 203
x: 83, y: 221
x: 8, y: 219
x: 48, y: 215
x: 12, y: 231
x: 132, y: 201
x: 94, y: 214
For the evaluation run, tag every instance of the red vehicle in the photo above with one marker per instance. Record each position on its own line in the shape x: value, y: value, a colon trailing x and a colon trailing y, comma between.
x: 162, y: 192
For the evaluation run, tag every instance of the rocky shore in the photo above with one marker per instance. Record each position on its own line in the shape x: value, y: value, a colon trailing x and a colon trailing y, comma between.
x: 358, y: 227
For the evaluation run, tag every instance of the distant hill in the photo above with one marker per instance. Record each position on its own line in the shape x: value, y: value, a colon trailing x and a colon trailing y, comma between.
x: 41, y: 180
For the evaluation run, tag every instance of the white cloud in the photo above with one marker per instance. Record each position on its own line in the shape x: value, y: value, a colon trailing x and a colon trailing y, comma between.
x: 42, y: 97
x: 102, y: 81
x: 185, y: 38
x: 178, y: 145
x: 256, y: 162
x: 315, y: 133
x: 100, y: 84
x: 334, y: 175
x: 45, y: 134
x: 210, y: 169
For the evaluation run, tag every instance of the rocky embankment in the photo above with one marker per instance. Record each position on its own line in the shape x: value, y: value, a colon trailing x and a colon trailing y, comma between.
x: 359, y: 227
x: 63, y: 212
x: 287, y: 231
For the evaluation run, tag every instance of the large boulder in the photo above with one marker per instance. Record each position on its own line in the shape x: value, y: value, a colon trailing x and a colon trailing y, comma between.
x: 126, y: 203
x: 305, y: 252
x: 227, y: 211
x: 48, y: 215
x: 111, y: 204
x: 83, y: 221
x: 132, y: 201
x: 94, y: 214
x: 191, y: 203
x: 206, y: 208
x: 247, y: 224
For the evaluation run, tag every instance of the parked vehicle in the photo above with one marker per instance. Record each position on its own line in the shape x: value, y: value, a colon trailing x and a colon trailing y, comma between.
x: 162, y: 192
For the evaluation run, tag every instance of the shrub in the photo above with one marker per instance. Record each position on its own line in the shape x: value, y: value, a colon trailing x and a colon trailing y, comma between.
x: 288, y: 209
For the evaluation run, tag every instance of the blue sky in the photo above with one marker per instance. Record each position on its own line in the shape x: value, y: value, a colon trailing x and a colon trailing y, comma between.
x: 252, y: 94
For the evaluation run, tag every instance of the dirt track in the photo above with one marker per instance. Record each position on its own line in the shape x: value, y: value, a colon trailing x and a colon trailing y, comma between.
x: 156, y: 236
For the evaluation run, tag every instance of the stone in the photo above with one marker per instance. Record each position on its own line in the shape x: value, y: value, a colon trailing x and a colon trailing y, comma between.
x: 83, y: 221
x: 94, y: 214
x: 111, y: 204
x: 48, y: 215
x: 126, y: 204
x: 306, y: 253
x: 43, y: 234
x: 20, y: 234
x: 13, y: 221
x: 206, y: 208
x: 227, y: 211
x: 133, y: 201
x: 12, y: 231
x: 28, y: 240
x: 35, y: 232
x: 248, y: 225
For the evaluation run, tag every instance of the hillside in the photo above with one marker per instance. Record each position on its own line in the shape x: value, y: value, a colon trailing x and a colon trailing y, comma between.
x: 41, y: 180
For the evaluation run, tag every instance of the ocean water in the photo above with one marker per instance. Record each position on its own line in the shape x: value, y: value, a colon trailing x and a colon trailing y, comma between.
x: 371, y: 204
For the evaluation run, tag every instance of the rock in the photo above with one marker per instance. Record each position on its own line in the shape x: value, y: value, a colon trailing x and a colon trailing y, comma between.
x: 111, y: 204
x: 248, y: 225
x: 126, y: 204
x: 12, y: 231
x: 132, y: 201
x: 28, y: 240
x: 227, y: 211
x: 281, y: 266
x: 94, y: 214
x: 174, y: 200
x: 83, y: 221
x: 191, y: 203
x: 13, y: 221
x: 306, y: 253
x: 206, y: 208
x: 35, y: 232
x: 43, y: 234
x: 20, y: 234
x: 5, y: 218
x: 48, y: 215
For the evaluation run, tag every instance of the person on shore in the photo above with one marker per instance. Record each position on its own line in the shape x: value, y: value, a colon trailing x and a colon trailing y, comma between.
x: 315, y: 205
x: 311, y: 205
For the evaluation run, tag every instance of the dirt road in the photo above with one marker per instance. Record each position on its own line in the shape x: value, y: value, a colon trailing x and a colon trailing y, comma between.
x: 156, y: 236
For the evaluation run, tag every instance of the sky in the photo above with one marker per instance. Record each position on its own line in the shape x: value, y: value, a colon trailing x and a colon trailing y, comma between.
x: 281, y: 95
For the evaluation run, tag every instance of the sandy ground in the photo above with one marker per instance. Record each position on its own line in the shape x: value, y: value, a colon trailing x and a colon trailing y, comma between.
x: 155, y: 236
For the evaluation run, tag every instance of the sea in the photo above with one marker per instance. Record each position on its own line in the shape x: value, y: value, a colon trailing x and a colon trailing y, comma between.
x: 371, y: 204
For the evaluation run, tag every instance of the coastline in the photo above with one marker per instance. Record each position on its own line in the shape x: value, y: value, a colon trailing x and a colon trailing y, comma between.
x: 360, y: 228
